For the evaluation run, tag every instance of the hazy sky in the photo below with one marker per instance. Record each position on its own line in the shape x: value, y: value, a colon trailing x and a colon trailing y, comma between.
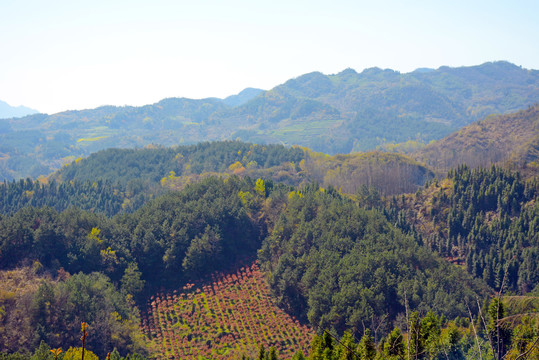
x: 60, y: 55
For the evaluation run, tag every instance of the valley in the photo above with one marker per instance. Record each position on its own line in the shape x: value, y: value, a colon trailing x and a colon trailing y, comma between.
x: 168, y: 248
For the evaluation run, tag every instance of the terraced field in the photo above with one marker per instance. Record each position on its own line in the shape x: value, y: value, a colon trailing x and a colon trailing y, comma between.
x: 224, y: 318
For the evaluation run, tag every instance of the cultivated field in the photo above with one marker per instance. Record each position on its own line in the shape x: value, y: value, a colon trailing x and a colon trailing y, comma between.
x: 224, y: 318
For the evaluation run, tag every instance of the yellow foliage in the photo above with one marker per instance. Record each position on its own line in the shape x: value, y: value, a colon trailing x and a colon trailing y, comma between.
x: 293, y: 194
x: 260, y: 187
x: 108, y: 257
x: 94, y: 235
x: 163, y: 181
x: 246, y: 198
x: 76, y: 354
x: 126, y: 204
x: 252, y: 164
x: 92, y: 138
x: 115, y: 316
x: 168, y: 180
x: 236, y: 168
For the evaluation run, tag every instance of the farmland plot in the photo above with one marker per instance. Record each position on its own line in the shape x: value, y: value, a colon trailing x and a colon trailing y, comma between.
x: 224, y: 318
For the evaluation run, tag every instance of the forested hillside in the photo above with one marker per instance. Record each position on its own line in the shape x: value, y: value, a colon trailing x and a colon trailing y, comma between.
x: 342, y: 267
x: 170, y: 240
x: 367, y: 245
x: 211, y: 225
x: 121, y: 180
x: 339, y: 113
x: 486, y: 220
x: 334, y: 261
x: 176, y: 166
x: 510, y: 140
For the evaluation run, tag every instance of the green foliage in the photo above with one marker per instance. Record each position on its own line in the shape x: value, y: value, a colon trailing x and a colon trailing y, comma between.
x: 367, y: 347
x: 43, y: 352
x: 340, y: 267
x: 394, y: 345
x: 60, y: 308
x: 485, y: 219
x: 202, y: 251
x: 175, y: 233
x: 124, y: 166
x: 298, y: 356
x: 106, y: 197
x: 131, y: 282
x: 346, y: 348
x: 499, y: 335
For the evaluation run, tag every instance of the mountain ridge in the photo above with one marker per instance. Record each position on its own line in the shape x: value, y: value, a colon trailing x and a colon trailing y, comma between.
x: 341, y: 113
x: 7, y: 111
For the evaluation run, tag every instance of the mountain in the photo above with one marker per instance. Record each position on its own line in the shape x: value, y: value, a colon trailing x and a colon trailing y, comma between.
x: 341, y: 113
x: 511, y: 140
x: 7, y: 111
x: 243, y: 97
x: 353, y: 111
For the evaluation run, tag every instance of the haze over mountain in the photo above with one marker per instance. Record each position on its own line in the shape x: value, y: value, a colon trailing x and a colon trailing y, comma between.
x: 243, y: 97
x: 339, y: 113
x: 8, y: 111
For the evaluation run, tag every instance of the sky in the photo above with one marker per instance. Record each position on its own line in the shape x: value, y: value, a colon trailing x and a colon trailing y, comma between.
x: 70, y: 55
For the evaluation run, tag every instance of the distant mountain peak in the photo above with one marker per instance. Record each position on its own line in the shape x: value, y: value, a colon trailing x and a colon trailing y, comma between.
x: 8, y: 111
x: 423, y: 70
x: 242, y: 97
x: 347, y: 72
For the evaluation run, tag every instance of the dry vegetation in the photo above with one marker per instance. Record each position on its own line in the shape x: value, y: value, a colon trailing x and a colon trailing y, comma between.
x: 510, y: 140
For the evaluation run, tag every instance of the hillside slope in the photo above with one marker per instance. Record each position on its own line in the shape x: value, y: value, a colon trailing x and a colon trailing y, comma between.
x: 511, y: 140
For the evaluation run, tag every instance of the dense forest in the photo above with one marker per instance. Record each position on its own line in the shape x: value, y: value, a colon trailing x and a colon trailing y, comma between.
x: 175, y: 237
x: 446, y: 271
x: 342, y: 267
x: 486, y: 220
x: 122, y: 180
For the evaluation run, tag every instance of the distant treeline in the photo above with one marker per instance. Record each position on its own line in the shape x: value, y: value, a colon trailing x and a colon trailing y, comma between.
x: 120, y: 180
